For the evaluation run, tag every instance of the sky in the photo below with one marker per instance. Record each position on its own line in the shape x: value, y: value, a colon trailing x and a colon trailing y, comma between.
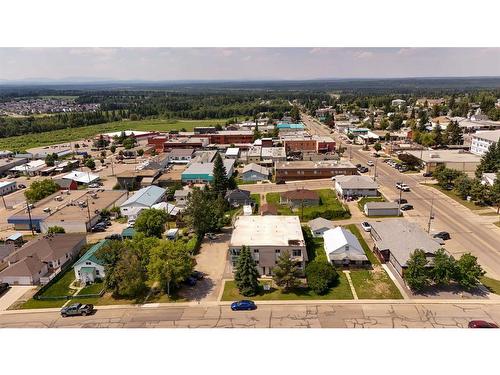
x: 170, y: 64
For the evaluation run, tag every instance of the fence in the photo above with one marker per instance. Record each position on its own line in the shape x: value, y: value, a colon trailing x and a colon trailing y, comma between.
x: 76, y: 296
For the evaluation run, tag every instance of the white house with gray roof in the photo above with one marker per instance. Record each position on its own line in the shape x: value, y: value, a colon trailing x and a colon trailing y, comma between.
x: 342, y: 248
x: 319, y: 226
x: 144, y: 198
x: 361, y: 186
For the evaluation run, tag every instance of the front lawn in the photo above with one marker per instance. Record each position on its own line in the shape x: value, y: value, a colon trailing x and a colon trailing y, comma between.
x: 492, y: 284
x: 453, y: 195
x: 329, y: 208
x: 42, y: 304
x: 60, y: 288
x: 94, y: 288
x: 255, y: 198
x: 374, y: 284
x: 341, y: 291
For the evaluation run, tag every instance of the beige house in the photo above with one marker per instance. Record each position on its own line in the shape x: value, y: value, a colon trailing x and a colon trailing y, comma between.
x: 268, y: 237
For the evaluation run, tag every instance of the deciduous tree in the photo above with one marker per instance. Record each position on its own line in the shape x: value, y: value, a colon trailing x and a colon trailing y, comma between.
x: 151, y: 222
x: 416, y: 274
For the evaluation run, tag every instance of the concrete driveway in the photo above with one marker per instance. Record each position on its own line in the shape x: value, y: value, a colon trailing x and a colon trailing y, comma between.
x: 211, y: 260
x: 12, y: 295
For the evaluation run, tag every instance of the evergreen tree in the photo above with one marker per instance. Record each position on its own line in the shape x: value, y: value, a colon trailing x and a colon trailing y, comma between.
x: 286, y: 273
x: 438, y: 135
x: 416, y: 274
x: 219, y: 182
x: 246, y: 275
x: 490, y: 161
x: 454, y: 134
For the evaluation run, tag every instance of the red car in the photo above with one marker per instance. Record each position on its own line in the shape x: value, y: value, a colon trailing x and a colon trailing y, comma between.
x: 481, y: 324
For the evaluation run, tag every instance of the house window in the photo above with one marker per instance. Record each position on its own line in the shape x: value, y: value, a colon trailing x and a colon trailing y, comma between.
x: 78, y: 273
x: 88, y: 263
x: 297, y: 253
x: 256, y: 262
x: 277, y: 251
x: 97, y: 272
x: 255, y: 251
x: 346, y: 247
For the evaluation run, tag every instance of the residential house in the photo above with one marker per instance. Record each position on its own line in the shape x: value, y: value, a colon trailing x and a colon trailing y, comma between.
x: 254, y: 172
x: 82, y: 178
x: 203, y: 172
x: 180, y: 155
x: 238, y: 197
x: 181, y: 197
x: 342, y: 248
x: 41, y: 259
x: 359, y: 186
x: 90, y: 268
x: 299, y: 198
x: 65, y: 184
x: 268, y: 237
x: 319, y: 226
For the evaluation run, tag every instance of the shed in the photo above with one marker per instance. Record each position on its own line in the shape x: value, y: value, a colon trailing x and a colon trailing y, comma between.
x: 381, y: 209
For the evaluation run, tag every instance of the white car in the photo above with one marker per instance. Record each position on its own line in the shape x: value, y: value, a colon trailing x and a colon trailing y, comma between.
x: 370, y: 163
x: 366, y: 226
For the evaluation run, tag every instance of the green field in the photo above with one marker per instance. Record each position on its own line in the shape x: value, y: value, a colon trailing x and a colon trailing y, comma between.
x: 340, y: 291
x: 329, y: 204
x: 27, y: 141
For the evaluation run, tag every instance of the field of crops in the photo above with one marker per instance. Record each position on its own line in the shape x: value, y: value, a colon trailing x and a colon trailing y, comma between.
x: 25, y: 142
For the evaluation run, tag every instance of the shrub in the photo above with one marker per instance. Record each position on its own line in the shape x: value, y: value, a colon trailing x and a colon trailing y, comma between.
x: 321, y: 275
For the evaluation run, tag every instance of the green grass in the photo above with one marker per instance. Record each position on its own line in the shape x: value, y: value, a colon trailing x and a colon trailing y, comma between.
x: 239, y: 181
x: 341, y: 291
x: 315, y: 249
x: 457, y: 198
x: 492, y: 284
x: 371, y: 256
x: 329, y: 203
x: 362, y: 201
x: 94, y: 288
x: 374, y: 284
x: 61, y: 286
x: 39, y: 304
x: 255, y: 198
x: 27, y: 141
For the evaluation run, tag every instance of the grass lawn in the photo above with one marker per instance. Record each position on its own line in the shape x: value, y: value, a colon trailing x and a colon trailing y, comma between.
x: 456, y: 197
x: 239, y: 181
x: 371, y: 256
x: 27, y: 141
x: 374, y: 284
x: 340, y: 291
x: 315, y: 249
x: 492, y: 284
x: 108, y: 299
x: 39, y: 304
x: 94, y: 288
x: 362, y: 201
x: 255, y: 198
x: 61, y: 286
x: 329, y: 203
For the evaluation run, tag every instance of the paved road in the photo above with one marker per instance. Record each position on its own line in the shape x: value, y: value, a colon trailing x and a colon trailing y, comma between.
x: 470, y: 232
x: 290, y: 315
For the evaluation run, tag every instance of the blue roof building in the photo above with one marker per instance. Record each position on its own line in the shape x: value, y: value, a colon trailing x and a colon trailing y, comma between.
x: 203, y: 172
x: 285, y: 126
x: 144, y: 198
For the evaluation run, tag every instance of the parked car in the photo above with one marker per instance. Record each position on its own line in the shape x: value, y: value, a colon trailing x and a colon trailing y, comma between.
x: 191, y: 281
x: 401, y: 201
x: 427, y: 174
x: 98, y: 228
x: 114, y: 236
x: 77, y: 309
x: 211, y: 236
x: 406, y: 207
x: 243, y: 305
x: 198, y: 275
x: 358, y: 165
x: 280, y: 182
x: 3, y: 288
x: 402, y: 186
x: 481, y: 324
x: 370, y: 163
x: 94, y: 186
x: 442, y: 235
x: 21, y: 186
x: 366, y: 226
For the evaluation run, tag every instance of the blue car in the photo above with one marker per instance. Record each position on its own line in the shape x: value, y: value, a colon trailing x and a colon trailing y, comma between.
x: 243, y: 305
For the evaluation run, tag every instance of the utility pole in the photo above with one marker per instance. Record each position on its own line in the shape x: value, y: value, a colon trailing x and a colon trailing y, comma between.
x: 112, y: 166
x: 88, y: 209
x: 3, y: 200
x: 399, y: 202
x: 29, y: 215
x: 431, y: 215
x: 375, y: 171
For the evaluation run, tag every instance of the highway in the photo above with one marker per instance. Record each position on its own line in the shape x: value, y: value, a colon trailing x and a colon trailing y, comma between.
x: 469, y: 231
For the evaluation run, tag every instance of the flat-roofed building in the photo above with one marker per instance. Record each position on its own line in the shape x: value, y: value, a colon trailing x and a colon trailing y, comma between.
x: 203, y: 172
x: 381, y: 209
x: 7, y: 163
x: 453, y: 159
x: 268, y: 237
x: 190, y: 143
x: 231, y: 137
x: 308, y: 170
x: 7, y: 187
x: 483, y: 140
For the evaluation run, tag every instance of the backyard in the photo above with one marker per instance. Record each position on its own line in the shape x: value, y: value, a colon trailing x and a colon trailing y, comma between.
x: 329, y: 208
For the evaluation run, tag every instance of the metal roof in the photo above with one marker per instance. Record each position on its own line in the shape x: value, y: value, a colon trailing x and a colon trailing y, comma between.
x: 147, y: 196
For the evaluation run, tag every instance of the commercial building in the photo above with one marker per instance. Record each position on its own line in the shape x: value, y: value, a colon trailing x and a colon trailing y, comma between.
x: 360, y: 186
x: 39, y: 260
x: 268, y: 237
x: 342, y: 248
x: 74, y: 210
x: 144, y: 198
x: 31, y: 168
x: 7, y: 187
x: 7, y: 163
x: 227, y: 137
x: 453, y: 159
x: 381, y: 209
x: 82, y: 178
x: 308, y: 170
x: 189, y: 143
x: 396, y: 239
x: 271, y: 155
x: 300, y: 144
x: 483, y: 140
x: 254, y: 172
x: 139, y: 135
x: 285, y: 127
x: 130, y: 180
x: 203, y: 172
x: 232, y: 153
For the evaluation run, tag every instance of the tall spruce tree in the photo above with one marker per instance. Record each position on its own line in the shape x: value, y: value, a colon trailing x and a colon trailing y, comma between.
x: 287, y: 272
x: 220, y: 182
x: 246, y: 275
x: 454, y: 134
x: 490, y: 161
